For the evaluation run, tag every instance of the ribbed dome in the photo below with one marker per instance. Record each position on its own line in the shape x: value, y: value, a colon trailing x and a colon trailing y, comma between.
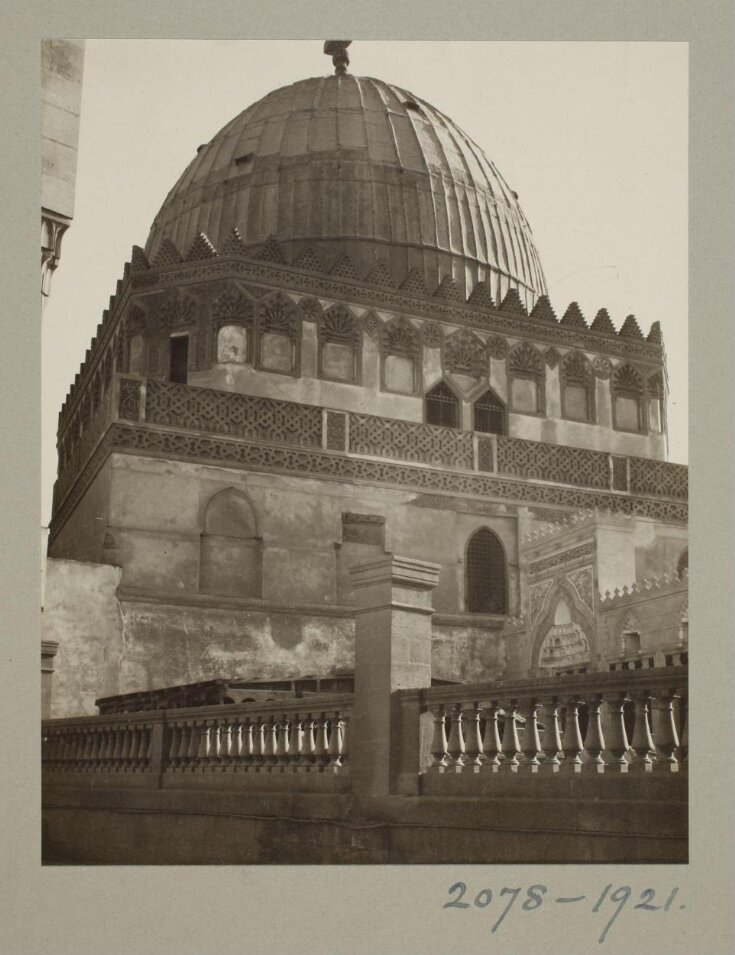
x: 346, y: 164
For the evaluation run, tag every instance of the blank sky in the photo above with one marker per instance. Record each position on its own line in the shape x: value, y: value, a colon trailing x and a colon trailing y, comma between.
x: 593, y: 137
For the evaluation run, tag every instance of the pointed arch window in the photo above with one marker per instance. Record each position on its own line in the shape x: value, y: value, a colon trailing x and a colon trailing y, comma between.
x: 490, y: 414
x: 577, y: 388
x: 486, y: 578
x: 627, y: 388
x: 442, y: 406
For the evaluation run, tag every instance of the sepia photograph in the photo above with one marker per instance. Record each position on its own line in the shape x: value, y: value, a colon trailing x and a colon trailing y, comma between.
x: 364, y: 452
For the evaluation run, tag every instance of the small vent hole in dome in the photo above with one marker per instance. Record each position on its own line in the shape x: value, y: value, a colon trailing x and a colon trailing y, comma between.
x: 242, y: 160
x: 413, y: 105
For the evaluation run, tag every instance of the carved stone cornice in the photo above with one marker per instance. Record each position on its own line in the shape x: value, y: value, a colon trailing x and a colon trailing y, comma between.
x: 334, y: 466
x: 330, y: 286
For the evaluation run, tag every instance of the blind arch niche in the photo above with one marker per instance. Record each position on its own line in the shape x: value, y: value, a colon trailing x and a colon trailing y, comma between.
x: 230, y: 559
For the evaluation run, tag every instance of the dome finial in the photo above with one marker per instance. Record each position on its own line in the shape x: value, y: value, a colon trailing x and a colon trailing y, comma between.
x: 337, y: 49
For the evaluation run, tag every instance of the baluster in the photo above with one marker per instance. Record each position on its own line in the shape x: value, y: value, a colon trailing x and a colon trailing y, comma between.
x: 473, y: 738
x: 269, y: 744
x: 295, y: 742
x: 551, y: 745
x: 439, y: 751
x: 511, y: 746
x: 616, y: 737
x: 594, y: 739
x: 118, y: 749
x: 642, y: 742
x: 531, y: 743
x: 125, y: 751
x: 174, y: 746
x: 321, y: 747
x: 144, y: 748
x: 134, y: 753
x: 572, y: 740
x: 284, y: 726
x: 335, y: 743
x: 491, y: 745
x: 89, y: 740
x: 664, y: 733
x: 308, y: 745
x: 193, y: 734
x: 455, y: 743
x: 248, y: 745
x: 204, y: 748
x: 345, y: 737
x: 224, y: 744
x: 258, y: 760
x: 97, y: 748
x: 236, y: 744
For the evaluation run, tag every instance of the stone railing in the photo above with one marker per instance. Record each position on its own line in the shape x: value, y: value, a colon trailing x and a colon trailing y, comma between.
x: 631, y: 722
x: 410, y: 441
x: 301, y: 737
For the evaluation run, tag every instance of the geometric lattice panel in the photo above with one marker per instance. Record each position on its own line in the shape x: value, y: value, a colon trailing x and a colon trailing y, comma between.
x: 410, y: 441
x: 225, y: 412
x: 549, y: 462
x: 659, y: 477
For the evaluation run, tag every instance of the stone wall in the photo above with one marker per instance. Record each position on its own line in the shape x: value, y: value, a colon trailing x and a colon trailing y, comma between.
x: 82, y: 615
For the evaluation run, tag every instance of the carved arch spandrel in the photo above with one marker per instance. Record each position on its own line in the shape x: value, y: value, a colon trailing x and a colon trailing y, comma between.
x: 580, y: 615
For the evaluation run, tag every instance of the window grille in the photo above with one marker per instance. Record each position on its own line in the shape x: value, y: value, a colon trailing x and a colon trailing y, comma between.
x: 442, y: 406
x: 490, y: 414
x: 178, y: 358
x: 486, y: 579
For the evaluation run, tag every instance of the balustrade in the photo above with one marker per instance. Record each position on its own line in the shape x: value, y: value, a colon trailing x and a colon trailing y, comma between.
x: 276, y: 738
x: 575, y: 724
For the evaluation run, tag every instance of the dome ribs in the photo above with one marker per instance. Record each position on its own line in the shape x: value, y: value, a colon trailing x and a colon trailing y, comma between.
x: 603, y: 325
x: 631, y: 329
x: 414, y: 283
x: 167, y: 254
x: 344, y: 268
x: 480, y: 296
x: 309, y: 261
x: 270, y: 251
x: 447, y: 290
x: 573, y: 317
x: 543, y: 311
x: 512, y: 303
x: 233, y: 244
x: 655, y: 336
x: 200, y: 248
x: 379, y: 275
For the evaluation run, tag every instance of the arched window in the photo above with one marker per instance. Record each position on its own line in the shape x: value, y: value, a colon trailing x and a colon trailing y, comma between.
x: 486, y: 587
x: 578, y: 388
x: 442, y: 406
x: 683, y: 562
x: 656, y: 403
x: 527, y: 373
x: 400, y: 349
x: 136, y: 361
x: 490, y: 415
x: 627, y: 399
x: 339, y: 341
x: 279, y: 335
